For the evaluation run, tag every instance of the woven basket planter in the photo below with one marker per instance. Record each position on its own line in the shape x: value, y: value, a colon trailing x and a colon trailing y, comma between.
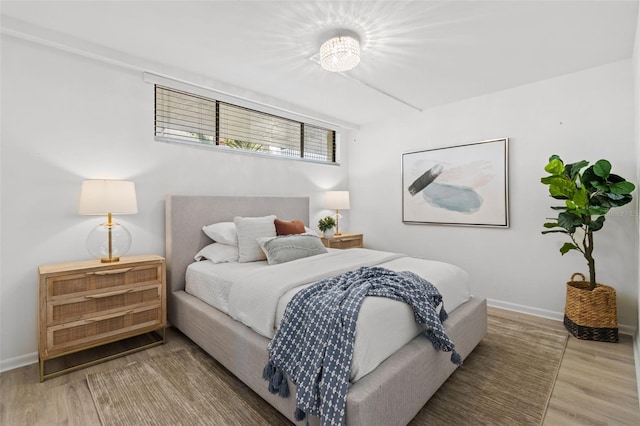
x: 591, y: 315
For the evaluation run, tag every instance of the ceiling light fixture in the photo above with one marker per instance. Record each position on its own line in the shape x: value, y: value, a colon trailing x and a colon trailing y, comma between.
x: 340, y: 53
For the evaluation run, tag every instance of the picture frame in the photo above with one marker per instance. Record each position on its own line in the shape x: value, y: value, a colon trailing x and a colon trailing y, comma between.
x: 466, y: 185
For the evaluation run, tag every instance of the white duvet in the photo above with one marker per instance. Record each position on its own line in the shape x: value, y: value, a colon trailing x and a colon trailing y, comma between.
x: 258, y: 295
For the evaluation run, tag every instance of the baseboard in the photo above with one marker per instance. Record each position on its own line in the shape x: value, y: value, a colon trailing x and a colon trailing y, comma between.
x: 18, y: 361
x: 544, y: 313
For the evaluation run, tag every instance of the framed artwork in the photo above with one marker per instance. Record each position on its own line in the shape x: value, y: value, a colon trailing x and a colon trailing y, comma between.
x: 458, y: 185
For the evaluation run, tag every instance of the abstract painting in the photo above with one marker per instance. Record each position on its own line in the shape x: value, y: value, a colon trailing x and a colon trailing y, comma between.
x: 458, y: 185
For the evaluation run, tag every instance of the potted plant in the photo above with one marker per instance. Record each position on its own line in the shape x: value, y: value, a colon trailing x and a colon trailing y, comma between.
x: 588, y: 194
x: 326, y: 226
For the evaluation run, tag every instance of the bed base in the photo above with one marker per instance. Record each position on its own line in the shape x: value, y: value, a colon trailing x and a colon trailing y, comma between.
x: 392, y: 394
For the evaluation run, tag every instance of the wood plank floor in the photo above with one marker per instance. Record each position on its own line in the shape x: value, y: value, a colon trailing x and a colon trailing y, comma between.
x: 596, y: 385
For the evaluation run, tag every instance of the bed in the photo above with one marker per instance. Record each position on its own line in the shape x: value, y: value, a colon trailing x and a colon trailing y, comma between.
x: 391, y: 394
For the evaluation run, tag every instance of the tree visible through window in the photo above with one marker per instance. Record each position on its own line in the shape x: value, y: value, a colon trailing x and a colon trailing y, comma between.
x: 190, y: 118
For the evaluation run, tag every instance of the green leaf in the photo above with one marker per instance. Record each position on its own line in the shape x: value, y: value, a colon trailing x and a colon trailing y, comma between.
x: 561, y: 187
x: 555, y: 231
x: 615, y: 178
x: 566, y: 247
x: 602, y: 168
x: 581, y: 198
x: 569, y: 221
x: 614, y: 196
x: 555, y: 167
x: 589, y: 179
x: 551, y: 224
x: 547, y: 179
x: 622, y: 187
x: 597, y: 224
x: 558, y: 207
x: 608, y: 201
x: 597, y: 210
x: 599, y: 186
x: 554, y: 157
x: 574, y: 169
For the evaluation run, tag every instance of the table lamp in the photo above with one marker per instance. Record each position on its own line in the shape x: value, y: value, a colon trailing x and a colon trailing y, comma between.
x: 337, y: 200
x: 108, y: 241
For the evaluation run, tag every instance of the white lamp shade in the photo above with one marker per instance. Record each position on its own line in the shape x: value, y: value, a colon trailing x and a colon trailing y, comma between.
x: 337, y: 200
x: 103, y: 196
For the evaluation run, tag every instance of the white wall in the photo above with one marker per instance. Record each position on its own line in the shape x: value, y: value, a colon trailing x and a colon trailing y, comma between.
x: 636, y: 80
x: 586, y: 115
x: 66, y: 118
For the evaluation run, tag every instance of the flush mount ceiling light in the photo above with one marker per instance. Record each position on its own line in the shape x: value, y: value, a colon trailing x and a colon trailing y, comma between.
x: 340, y: 53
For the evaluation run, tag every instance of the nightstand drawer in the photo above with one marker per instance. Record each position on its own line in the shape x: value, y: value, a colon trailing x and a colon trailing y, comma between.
x: 344, y: 241
x: 97, y: 304
x: 81, y: 334
x: 101, y: 280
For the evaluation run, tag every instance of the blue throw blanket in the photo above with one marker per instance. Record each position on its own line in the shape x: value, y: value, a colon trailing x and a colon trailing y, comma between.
x: 314, y: 344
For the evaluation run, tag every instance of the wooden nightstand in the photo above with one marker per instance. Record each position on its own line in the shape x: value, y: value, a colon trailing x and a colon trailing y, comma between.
x: 88, y: 304
x: 344, y: 241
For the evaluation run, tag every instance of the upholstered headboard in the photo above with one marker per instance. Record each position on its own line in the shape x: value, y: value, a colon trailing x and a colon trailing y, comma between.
x: 187, y: 214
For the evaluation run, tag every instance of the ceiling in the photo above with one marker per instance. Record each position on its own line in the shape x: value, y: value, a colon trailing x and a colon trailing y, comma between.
x: 415, y: 54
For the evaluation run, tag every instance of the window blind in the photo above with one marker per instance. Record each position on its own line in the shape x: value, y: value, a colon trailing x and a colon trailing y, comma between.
x: 191, y: 118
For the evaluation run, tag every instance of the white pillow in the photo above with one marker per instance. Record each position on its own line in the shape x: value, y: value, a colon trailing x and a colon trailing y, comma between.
x: 286, y: 248
x: 310, y: 231
x: 222, y: 232
x: 249, y: 229
x: 218, y: 253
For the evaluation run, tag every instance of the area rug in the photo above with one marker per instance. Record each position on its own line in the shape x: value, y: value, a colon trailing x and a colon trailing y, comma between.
x: 507, y: 379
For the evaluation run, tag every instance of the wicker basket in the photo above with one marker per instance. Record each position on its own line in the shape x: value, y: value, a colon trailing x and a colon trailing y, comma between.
x: 591, y: 315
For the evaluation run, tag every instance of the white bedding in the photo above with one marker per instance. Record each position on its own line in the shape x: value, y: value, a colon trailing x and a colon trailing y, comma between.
x: 211, y: 282
x: 257, y: 294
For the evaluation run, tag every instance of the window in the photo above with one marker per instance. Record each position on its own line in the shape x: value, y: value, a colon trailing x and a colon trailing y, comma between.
x: 190, y: 118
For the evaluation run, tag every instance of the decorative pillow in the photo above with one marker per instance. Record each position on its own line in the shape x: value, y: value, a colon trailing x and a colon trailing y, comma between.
x: 249, y: 229
x: 222, y: 232
x: 290, y: 247
x: 289, y: 228
x: 218, y: 253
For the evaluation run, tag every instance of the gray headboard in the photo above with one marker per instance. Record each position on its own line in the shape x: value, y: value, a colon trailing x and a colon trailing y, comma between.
x: 187, y: 214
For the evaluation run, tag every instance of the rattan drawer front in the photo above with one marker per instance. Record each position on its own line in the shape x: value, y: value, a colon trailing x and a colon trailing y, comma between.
x: 345, y: 243
x: 91, y: 305
x: 67, y: 337
x: 105, y: 278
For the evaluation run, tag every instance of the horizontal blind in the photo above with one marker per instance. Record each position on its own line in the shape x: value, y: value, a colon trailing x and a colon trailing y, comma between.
x: 186, y: 117
x: 319, y: 143
x: 260, y: 131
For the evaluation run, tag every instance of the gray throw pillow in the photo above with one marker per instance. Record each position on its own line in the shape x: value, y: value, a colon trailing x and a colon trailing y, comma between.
x: 290, y: 247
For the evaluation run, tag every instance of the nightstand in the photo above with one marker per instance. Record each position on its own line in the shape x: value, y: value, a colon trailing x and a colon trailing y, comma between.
x: 344, y: 241
x: 89, y: 304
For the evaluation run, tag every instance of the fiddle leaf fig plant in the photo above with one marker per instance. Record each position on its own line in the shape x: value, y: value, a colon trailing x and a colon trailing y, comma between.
x: 588, y: 196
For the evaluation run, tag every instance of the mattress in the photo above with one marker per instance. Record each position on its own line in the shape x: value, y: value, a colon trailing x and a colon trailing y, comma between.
x: 384, y: 325
x: 211, y: 282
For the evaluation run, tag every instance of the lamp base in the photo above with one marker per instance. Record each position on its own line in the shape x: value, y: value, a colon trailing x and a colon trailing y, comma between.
x: 109, y: 241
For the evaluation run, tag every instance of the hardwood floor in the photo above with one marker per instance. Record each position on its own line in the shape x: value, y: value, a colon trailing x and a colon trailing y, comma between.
x: 596, y: 385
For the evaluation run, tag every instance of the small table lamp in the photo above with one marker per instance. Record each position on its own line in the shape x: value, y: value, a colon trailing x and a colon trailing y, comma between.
x: 337, y: 200
x: 109, y: 240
